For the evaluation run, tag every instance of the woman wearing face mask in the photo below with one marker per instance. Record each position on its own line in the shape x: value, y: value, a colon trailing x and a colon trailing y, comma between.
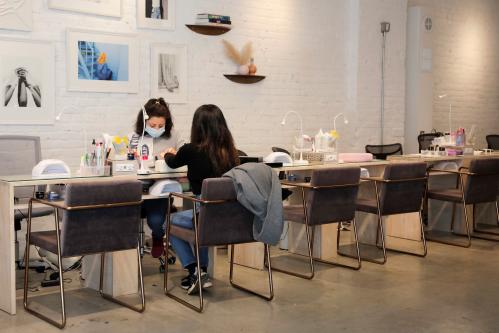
x: 159, y: 136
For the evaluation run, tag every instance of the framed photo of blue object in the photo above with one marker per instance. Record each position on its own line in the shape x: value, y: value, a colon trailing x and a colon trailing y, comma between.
x: 27, y: 84
x: 102, y: 61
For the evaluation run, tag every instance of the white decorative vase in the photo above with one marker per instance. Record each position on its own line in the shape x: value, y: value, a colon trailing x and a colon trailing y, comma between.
x: 243, y: 70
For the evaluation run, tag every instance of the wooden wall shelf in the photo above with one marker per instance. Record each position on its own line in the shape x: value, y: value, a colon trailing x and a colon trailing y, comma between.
x: 212, y: 30
x: 245, y: 79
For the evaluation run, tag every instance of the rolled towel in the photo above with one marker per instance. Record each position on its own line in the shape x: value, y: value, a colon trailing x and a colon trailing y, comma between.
x: 355, y: 157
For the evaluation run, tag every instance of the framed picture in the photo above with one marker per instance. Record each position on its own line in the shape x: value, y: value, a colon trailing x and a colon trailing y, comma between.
x: 102, y: 61
x: 97, y: 7
x: 169, y: 72
x: 156, y: 14
x: 27, y: 86
x: 16, y: 15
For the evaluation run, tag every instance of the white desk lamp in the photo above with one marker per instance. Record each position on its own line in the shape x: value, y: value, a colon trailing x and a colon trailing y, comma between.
x: 143, y: 169
x: 283, y: 122
x: 345, y: 120
x: 450, y: 113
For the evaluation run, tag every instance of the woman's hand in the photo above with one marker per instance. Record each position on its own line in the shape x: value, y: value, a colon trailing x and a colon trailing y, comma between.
x: 168, y: 151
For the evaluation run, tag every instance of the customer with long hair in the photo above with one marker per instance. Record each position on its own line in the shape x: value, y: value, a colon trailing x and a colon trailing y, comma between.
x: 210, y: 153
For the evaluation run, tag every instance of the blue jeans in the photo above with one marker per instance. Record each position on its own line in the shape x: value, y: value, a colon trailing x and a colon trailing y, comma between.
x: 183, y: 249
x: 156, y: 13
x: 155, y: 211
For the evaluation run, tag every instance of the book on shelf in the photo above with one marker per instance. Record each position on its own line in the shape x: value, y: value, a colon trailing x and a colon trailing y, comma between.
x: 229, y: 26
x: 201, y: 21
x: 213, y: 16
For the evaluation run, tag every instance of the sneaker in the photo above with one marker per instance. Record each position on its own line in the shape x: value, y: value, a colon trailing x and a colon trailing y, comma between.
x: 185, y: 283
x: 345, y: 226
x: 205, y: 282
x: 157, y: 247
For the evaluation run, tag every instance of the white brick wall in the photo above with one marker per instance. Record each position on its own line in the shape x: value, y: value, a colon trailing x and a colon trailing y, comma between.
x: 466, y: 64
x: 320, y: 57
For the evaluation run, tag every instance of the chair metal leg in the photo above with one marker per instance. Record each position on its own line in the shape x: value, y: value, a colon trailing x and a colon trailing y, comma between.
x: 468, y: 234
x: 477, y: 233
x: 57, y: 324
x: 359, y: 260
x: 423, y: 240
x: 310, y: 245
x: 381, y: 231
x: 269, y: 270
x: 115, y: 300
x: 310, y: 249
x: 198, y: 265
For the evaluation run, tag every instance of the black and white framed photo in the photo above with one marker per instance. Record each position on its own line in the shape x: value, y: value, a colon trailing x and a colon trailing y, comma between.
x: 156, y: 14
x: 27, y: 71
x: 98, y: 7
x: 169, y: 72
x: 16, y: 15
x: 102, y: 61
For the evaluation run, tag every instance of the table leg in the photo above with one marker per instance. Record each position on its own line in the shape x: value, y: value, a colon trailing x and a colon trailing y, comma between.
x: 7, y: 250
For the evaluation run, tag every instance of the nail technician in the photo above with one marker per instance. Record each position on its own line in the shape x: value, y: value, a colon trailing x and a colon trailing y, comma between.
x: 159, y: 136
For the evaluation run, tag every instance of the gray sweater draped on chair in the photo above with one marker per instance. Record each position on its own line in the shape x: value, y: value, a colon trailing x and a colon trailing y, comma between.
x: 259, y: 190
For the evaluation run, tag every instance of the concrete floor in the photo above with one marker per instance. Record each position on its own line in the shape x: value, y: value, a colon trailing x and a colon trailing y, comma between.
x: 451, y: 290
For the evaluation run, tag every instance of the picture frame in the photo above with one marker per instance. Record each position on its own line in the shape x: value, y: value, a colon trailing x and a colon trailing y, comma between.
x: 104, y: 7
x: 156, y: 14
x: 27, y: 78
x: 16, y: 15
x: 102, y: 61
x: 169, y: 72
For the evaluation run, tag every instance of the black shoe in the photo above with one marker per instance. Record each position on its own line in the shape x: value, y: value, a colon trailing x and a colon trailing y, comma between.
x: 185, y: 283
x: 194, y: 287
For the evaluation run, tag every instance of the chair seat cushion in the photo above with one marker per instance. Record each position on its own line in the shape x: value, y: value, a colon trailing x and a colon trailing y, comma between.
x: 453, y: 195
x: 367, y: 205
x: 294, y: 213
x: 20, y: 214
x: 45, y: 239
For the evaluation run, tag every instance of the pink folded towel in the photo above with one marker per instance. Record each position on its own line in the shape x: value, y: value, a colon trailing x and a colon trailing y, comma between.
x: 355, y: 157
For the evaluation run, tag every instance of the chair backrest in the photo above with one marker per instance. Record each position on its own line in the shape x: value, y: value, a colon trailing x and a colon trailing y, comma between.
x: 405, y: 190
x: 484, y: 184
x: 425, y: 139
x: 18, y: 155
x: 280, y: 150
x: 328, y: 204
x: 493, y: 141
x: 380, y: 152
x: 107, y: 229
x: 241, y: 153
x: 224, y: 223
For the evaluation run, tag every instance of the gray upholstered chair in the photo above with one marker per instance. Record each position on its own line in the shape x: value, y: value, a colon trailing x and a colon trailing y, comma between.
x: 96, y: 218
x: 221, y: 220
x: 330, y: 197
x: 18, y: 155
x: 477, y: 184
x: 400, y: 190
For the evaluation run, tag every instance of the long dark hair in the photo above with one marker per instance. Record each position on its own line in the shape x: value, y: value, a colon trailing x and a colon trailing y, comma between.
x: 156, y: 107
x: 209, y: 133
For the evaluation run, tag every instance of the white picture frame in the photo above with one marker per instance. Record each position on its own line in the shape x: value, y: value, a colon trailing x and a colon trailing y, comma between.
x: 16, y: 15
x: 160, y: 17
x: 104, y: 7
x: 169, y: 72
x: 111, y: 61
x: 27, y: 78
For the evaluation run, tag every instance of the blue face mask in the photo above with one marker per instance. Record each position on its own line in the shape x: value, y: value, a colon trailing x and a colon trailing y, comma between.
x: 155, y: 133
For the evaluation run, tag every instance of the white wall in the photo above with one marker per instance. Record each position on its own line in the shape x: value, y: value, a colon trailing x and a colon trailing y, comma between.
x: 466, y: 64
x: 320, y: 57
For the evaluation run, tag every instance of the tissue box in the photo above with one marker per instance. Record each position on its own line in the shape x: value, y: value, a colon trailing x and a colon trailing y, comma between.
x: 123, y: 167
